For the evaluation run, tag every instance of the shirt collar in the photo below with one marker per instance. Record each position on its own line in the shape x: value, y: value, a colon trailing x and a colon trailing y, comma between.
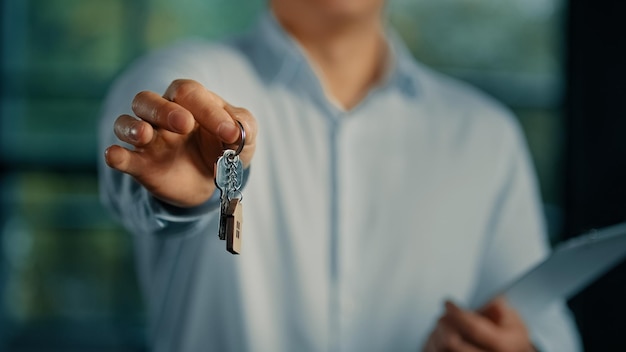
x: 404, y: 70
x: 281, y: 59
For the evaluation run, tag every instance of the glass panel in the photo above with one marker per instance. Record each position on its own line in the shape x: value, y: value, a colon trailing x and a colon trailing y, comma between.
x: 66, y: 258
x: 487, y: 35
x: 49, y: 131
x: 171, y: 20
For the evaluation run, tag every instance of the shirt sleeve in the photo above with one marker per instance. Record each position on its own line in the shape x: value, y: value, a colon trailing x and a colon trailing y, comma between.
x: 516, y: 241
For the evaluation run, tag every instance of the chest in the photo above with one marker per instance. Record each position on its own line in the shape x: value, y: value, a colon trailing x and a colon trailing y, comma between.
x: 387, y: 185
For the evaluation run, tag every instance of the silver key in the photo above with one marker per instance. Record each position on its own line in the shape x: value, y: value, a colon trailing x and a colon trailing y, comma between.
x: 229, y: 179
x: 228, y: 172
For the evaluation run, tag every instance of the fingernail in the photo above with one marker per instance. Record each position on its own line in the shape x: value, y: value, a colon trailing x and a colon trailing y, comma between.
x: 449, y: 305
x: 133, y: 133
x: 228, y: 132
x: 106, y: 156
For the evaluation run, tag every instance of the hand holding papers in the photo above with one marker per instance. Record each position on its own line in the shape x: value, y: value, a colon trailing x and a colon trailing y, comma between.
x: 571, y: 266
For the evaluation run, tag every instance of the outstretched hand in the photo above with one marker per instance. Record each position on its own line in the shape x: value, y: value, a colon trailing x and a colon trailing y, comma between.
x: 176, y: 140
x: 496, y: 327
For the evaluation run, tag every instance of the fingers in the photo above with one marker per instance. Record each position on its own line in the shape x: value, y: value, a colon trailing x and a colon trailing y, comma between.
x: 133, y: 131
x: 446, y: 338
x: 189, y: 126
x: 209, y: 110
x: 471, y: 326
x: 247, y: 121
x: 463, y: 330
x: 162, y: 113
x: 123, y: 160
x: 184, y: 104
x: 498, y: 311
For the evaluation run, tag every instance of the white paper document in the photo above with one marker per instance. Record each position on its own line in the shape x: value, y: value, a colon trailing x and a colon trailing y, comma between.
x: 571, y: 266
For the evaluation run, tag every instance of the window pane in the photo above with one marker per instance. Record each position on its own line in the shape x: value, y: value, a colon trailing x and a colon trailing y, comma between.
x: 51, y: 131
x: 490, y: 35
x: 67, y: 261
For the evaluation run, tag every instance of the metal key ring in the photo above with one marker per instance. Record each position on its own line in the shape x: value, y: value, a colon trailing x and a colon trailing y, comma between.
x: 243, y: 139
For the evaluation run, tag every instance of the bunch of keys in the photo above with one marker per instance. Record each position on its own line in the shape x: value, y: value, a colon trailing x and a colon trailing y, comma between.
x: 229, y: 180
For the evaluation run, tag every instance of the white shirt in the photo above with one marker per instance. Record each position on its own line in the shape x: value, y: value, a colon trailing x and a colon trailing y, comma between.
x: 357, y: 224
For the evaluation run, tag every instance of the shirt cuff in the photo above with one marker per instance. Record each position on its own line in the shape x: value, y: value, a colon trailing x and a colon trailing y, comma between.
x: 172, y: 213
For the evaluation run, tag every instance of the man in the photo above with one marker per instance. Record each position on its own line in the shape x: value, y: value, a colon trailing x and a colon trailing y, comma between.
x: 378, y: 190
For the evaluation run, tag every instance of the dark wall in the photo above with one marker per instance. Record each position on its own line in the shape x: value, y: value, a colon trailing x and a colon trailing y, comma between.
x: 596, y: 169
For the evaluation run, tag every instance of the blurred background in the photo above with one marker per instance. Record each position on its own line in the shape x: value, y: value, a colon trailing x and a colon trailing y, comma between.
x: 66, y: 269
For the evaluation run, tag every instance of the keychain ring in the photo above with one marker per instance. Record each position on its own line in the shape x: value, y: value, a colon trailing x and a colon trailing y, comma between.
x: 243, y: 139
